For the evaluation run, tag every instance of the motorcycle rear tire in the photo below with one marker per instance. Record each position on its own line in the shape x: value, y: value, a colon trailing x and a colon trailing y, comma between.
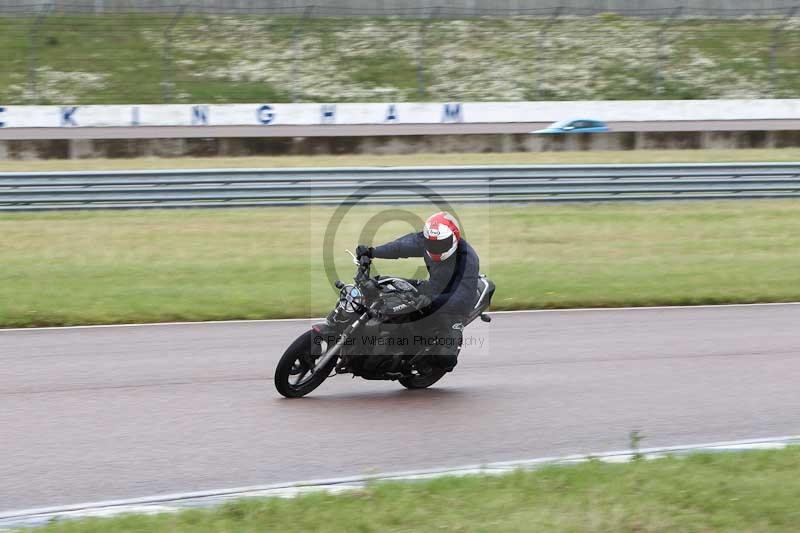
x: 423, y: 381
x: 303, y: 345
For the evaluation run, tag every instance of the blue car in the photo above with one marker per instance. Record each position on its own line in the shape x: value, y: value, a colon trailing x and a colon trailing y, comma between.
x: 575, y: 125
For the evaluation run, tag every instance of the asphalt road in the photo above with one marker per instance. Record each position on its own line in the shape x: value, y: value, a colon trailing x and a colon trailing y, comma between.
x: 101, y: 413
x: 334, y: 130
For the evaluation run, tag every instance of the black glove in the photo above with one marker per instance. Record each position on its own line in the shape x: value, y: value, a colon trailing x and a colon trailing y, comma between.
x: 364, y: 251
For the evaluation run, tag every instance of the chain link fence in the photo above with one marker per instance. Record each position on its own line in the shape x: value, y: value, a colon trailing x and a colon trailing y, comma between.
x: 151, y: 52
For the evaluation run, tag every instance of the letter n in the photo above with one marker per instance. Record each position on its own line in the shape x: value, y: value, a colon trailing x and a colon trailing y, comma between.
x: 200, y: 115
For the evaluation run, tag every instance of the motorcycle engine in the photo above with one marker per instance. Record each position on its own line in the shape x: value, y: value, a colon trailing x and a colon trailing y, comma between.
x: 376, y: 366
x: 382, y: 348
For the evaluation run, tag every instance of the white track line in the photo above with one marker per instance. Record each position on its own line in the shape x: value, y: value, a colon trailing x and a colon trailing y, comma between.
x: 159, y: 324
x: 643, y: 308
x: 178, y: 501
x: 518, y: 311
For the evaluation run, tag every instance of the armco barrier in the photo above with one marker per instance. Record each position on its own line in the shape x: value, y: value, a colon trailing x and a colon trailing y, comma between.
x: 335, y: 186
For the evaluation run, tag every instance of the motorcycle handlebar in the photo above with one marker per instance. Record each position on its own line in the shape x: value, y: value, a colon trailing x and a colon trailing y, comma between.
x: 363, y: 268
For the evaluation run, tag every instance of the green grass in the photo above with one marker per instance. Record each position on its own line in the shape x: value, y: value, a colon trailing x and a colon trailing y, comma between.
x: 128, y: 58
x: 521, y: 158
x: 162, y: 265
x: 726, y: 492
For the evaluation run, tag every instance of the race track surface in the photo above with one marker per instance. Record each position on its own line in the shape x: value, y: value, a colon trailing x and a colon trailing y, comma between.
x: 101, y: 413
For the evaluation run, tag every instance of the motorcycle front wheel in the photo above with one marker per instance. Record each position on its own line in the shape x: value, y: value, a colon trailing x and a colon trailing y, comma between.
x: 296, y: 374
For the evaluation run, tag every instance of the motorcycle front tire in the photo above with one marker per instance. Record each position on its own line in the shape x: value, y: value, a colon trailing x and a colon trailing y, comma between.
x: 304, y: 345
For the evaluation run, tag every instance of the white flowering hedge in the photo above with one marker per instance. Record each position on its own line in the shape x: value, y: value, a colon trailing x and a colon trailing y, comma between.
x: 141, y: 58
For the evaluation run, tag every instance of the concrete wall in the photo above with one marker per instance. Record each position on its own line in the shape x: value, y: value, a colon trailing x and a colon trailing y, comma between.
x: 484, y: 143
x: 272, y: 115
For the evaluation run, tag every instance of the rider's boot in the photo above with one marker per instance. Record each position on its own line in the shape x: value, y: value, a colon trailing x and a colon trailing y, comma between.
x: 447, y: 357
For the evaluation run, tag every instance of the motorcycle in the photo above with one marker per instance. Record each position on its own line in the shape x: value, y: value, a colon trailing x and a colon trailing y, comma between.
x: 360, y: 336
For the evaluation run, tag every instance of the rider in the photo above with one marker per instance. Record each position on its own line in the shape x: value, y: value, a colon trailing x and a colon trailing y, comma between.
x: 450, y: 292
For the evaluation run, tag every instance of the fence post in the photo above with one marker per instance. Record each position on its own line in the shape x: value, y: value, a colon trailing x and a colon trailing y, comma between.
x: 297, y: 33
x: 773, y: 51
x: 423, y: 29
x: 33, y: 51
x: 167, y: 63
x: 660, y: 56
x: 540, y: 49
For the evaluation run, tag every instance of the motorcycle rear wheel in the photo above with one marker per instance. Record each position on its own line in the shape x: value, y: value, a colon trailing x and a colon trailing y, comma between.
x: 423, y: 381
x: 295, y: 364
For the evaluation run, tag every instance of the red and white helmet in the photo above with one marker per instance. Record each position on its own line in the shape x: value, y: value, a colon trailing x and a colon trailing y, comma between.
x: 441, y: 234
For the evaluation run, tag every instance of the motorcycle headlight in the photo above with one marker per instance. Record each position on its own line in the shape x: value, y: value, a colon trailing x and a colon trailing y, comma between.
x: 350, y: 299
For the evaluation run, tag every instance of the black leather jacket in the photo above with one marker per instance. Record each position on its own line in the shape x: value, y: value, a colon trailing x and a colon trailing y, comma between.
x: 452, y: 284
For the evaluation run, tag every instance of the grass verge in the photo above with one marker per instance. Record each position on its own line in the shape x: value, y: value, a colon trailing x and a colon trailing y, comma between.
x: 518, y: 158
x: 745, y: 491
x: 65, y: 268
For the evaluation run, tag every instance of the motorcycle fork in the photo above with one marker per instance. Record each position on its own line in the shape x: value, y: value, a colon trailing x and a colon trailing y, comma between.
x: 334, y: 350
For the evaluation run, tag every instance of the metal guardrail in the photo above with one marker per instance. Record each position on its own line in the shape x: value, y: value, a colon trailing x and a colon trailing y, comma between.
x: 374, y: 185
